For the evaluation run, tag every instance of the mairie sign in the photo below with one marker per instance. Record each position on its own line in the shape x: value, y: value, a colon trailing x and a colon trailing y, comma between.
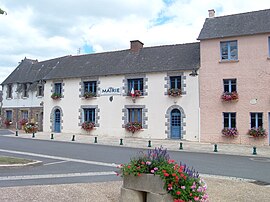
x: 110, y: 91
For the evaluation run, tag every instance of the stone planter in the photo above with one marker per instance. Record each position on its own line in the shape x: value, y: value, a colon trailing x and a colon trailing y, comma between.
x: 146, y: 187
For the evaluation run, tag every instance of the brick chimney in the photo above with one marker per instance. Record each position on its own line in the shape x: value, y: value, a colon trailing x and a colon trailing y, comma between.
x: 211, y: 13
x: 136, y: 45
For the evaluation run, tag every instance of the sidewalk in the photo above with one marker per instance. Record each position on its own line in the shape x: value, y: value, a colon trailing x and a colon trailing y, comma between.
x: 173, y: 145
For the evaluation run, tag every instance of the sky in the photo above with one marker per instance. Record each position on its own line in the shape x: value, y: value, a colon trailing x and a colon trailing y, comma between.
x: 46, y: 29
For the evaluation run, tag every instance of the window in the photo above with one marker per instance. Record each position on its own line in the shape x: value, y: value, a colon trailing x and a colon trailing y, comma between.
x: 136, y: 84
x: 24, y: 114
x: 90, y: 87
x: 229, y: 120
x: 256, y: 120
x: 9, y: 91
x: 9, y: 115
x: 39, y: 90
x: 229, y: 50
x: 135, y: 115
x: 229, y: 85
x: 24, y: 90
x: 89, y: 115
x: 175, y: 82
x: 58, y: 88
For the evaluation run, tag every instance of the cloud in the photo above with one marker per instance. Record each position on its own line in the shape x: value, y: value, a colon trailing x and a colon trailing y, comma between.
x: 47, y: 29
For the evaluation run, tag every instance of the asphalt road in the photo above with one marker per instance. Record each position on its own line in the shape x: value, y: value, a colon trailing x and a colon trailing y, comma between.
x: 66, y: 162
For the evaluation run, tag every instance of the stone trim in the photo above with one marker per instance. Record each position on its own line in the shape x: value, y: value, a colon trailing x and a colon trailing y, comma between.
x: 52, y: 117
x: 144, y: 115
x: 81, y: 87
x: 135, y: 76
x: 97, y: 111
x: 183, y: 82
x: 168, y: 121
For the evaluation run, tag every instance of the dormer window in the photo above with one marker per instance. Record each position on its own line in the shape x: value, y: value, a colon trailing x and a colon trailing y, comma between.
x: 39, y: 90
x: 9, y: 91
x: 24, y: 90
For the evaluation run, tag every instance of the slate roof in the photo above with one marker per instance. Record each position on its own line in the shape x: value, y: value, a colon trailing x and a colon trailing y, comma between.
x: 30, y: 71
x: 148, y: 59
x: 256, y: 22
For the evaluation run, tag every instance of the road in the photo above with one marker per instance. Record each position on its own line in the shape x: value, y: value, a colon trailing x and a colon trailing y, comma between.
x: 66, y: 162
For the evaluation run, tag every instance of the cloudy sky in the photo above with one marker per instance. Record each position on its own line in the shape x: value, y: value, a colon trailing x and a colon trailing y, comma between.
x: 44, y: 29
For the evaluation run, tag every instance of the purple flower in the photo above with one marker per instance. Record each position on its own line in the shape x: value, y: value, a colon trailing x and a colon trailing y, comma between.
x: 155, y: 168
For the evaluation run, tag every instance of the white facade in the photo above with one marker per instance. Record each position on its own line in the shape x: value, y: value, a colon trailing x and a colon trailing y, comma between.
x: 18, y: 101
x: 111, y: 114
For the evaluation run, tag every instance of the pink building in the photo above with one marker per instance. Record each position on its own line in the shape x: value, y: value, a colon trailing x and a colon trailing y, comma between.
x: 235, y: 78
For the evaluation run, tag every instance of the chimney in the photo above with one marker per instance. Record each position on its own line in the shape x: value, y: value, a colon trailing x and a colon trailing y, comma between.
x: 136, y: 45
x: 211, y: 13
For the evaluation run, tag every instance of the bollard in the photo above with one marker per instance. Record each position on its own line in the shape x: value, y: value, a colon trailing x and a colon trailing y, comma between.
x: 95, y: 141
x: 73, y: 138
x: 254, y: 151
x: 215, y: 148
x: 52, y: 136
x: 149, y: 143
x: 16, y: 133
x: 121, y: 141
x: 181, y: 146
x: 33, y: 135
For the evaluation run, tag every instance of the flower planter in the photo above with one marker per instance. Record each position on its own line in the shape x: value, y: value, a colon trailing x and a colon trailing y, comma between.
x: 147, y: 187
x: 229, y: 96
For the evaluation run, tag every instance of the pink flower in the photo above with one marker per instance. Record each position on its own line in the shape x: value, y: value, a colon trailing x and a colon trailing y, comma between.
x: 152, y: 171
x: 155, y: 168
x: 148, y: 163
x: 183, y: 187
x: 196, y: 198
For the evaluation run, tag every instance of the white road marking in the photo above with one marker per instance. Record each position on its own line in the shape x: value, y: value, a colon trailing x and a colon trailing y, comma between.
x: 227, y: 178
x: 60, y: 158
x: 48, y: 176
x: 47, y: 164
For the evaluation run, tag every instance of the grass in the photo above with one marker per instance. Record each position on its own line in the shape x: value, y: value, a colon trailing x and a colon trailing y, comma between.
x: 4, y: 160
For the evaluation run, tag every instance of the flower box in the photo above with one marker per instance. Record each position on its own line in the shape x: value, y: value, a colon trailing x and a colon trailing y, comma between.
x: 56, y: 96
x: 160, y: 179
x: 88, y: 95
x: 230, y: 132
x: 257, y: 132
x: 88, y: 126
x: 7, y: 123
x: 229, y: 96
x: 174, y: 92
x: 133, y: 127
x: 23, y: 122
x: 30, y: 127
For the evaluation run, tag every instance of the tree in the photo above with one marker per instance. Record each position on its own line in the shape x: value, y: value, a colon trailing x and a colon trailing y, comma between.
x: 2, y: 12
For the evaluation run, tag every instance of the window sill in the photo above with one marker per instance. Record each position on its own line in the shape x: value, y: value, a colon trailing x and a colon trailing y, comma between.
x: 24, y: 98
x: 9, y: 98
x: 39, y: 96
x: 228, y: 61
x: 83, y: 98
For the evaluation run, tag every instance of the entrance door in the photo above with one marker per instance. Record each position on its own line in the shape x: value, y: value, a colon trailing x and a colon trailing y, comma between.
x: 57, y: 121
x: 175, y: 124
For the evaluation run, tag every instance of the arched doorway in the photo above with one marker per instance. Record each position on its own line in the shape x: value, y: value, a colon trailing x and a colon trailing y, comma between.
x: 57, y: 121
x: 175, y: 124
